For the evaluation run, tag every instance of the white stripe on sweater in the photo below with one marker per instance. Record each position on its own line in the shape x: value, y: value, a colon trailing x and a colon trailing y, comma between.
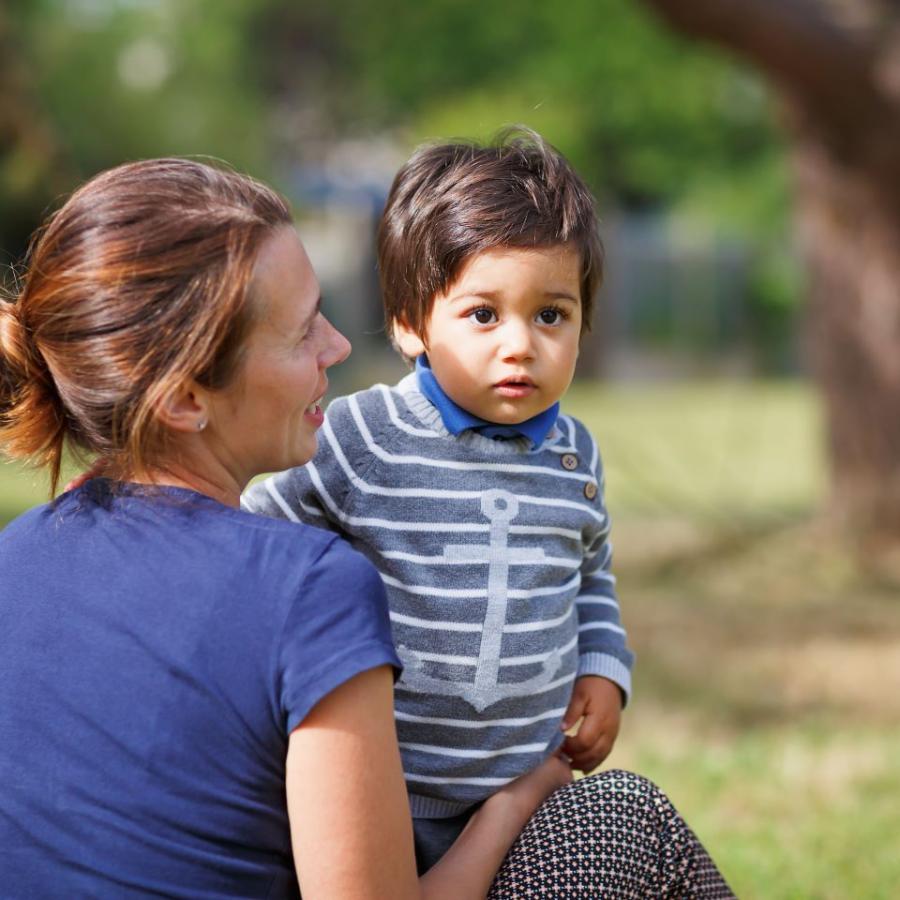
x: 595, y: 600
x: 275, y: 494
x: 558, y: 561
x: 518, y: 628
x: 608, y: 626
x: 505, y: 661
x: 400, y: 619
x: 481, y: 723
x: 427, y: 590
x: 433, y: 779
x: 545, y: 625
x: 473, y: 754
x: 542, y: 689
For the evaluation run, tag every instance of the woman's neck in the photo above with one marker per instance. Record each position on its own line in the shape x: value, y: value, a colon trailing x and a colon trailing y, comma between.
x: 218, y: 485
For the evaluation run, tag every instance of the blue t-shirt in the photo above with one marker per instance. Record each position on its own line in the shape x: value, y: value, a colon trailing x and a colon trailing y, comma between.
x: 156, y: 650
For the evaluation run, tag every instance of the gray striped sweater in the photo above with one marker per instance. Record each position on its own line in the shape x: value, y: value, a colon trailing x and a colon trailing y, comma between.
x: 495, y: 556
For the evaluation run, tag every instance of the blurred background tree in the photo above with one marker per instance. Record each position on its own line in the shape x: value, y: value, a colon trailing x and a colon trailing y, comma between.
x: 88, y: 84
x: 836, y: 69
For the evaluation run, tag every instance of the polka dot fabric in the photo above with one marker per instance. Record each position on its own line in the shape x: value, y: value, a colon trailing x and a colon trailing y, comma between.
x: 612, y: 835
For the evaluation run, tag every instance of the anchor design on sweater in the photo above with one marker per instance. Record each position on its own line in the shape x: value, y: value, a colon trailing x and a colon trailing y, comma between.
x: 500, y: 507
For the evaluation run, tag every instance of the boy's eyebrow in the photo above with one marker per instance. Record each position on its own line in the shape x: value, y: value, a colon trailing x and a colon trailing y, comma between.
x: 493, y: 295
x: 561, y: 295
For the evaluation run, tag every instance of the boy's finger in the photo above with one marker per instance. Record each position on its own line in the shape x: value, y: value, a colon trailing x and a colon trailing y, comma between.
x: 590, y: 732
x: 578, y: 744
x: 590, y: 759
x: 574, y: 712
x: 573, y: 747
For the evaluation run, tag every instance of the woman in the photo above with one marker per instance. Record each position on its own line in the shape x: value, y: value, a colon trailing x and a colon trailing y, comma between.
x: 190, y: 705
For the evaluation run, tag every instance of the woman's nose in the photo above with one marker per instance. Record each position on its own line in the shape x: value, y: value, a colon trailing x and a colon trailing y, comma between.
x: 337, y: 349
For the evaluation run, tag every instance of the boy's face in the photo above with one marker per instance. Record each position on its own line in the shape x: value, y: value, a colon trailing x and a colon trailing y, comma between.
x: 503, y: 340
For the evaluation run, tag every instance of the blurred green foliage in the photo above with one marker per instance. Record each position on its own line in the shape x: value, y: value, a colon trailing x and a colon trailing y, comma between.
x: 92, y: 83
x: 653, y: 123
x: 646, y: 117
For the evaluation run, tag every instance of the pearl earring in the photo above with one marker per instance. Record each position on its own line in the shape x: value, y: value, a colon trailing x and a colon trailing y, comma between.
x: 201, y: 425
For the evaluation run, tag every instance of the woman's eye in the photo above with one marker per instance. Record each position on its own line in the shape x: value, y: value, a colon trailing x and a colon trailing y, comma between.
x: 310, y: 332
x: 482, y: 316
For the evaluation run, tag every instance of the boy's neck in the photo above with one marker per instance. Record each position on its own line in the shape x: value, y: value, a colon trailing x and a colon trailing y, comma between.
x: 456, y: 419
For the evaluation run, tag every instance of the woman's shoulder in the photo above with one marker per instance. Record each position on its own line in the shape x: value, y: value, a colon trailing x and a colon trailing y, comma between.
x: 315, y: 564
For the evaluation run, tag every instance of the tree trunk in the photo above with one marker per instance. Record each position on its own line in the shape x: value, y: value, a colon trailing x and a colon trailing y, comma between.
x: 836, y: 69
x: 851, y: 238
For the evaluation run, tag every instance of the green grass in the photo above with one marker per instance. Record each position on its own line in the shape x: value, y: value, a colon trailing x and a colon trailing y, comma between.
x: 767, y: 689
x: 709, y: 451
x: 799, y: 811
x: 20, y: 488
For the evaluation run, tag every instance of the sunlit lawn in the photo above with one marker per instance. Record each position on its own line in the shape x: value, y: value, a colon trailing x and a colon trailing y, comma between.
x: 767, y: 693
x: 767, y: 698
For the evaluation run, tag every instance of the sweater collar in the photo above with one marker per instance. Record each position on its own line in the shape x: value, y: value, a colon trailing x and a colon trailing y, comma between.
x: 456, y: 419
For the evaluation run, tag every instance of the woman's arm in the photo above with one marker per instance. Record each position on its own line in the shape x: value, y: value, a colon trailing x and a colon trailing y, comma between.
x: 350, y: 824
x: 467, y: 869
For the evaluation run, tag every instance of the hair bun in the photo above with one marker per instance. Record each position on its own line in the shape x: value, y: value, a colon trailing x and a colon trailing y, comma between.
x: 13, y: 352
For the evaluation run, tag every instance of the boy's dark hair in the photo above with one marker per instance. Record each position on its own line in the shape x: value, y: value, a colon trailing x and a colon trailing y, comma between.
x: 451, y: 201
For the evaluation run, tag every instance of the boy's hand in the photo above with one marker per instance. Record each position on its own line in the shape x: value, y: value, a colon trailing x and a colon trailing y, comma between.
x: 599, y: 701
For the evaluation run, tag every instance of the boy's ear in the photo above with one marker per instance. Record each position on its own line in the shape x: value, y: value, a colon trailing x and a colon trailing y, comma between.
x: 406, y: 339
x: 184, y: 409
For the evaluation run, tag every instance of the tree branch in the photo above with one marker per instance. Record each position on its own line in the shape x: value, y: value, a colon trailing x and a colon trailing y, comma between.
x: 827, y: 67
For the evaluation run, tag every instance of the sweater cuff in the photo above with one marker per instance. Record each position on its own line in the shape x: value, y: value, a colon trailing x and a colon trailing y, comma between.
x: 608, y: 667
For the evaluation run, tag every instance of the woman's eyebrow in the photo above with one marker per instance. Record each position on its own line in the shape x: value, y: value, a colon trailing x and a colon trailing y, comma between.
x: 307, y: 322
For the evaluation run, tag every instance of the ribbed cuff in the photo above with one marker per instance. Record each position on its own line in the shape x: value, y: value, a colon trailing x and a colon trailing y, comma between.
x: 433, y: 808
x: 609, y: 667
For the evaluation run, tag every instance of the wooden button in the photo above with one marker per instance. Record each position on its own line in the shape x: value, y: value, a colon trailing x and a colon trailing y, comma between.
x: 590, y: 490
x: 569, y: 461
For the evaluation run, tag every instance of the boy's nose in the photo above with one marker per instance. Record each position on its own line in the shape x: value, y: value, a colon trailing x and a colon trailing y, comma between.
x: 515, y: 341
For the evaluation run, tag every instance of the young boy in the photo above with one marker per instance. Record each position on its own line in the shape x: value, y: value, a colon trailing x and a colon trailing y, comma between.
x: 479, y: 503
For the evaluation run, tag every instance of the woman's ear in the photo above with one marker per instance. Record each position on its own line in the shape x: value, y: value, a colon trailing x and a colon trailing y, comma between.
x: 184, y: 409
x: 407, y: 340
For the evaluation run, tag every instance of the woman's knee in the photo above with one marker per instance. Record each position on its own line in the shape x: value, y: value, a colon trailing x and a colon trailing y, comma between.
x: 620, y: 781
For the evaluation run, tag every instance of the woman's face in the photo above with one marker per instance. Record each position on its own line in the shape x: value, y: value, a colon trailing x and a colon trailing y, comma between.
x: 266, y: 419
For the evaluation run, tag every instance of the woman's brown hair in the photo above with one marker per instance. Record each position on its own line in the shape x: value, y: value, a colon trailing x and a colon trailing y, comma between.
x: 137, y: 284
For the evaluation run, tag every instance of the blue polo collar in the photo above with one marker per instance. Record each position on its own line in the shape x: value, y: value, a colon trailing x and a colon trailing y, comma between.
x: 456, y: 419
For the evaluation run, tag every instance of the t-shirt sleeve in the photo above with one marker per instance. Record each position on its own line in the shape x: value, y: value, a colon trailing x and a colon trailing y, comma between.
x: 337, y: 629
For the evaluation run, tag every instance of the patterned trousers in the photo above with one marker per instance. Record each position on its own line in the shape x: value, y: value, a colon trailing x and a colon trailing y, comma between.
x: 612, y: 835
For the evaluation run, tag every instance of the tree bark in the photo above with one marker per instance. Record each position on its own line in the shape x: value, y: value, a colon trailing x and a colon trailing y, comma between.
x: 835, y: 65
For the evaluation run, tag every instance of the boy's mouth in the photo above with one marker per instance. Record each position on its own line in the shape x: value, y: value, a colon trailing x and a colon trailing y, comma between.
x: 515, y: 386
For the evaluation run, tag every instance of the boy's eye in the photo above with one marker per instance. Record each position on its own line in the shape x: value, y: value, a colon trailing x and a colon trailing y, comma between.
x: 552, y: 315
x: 482, y: 316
